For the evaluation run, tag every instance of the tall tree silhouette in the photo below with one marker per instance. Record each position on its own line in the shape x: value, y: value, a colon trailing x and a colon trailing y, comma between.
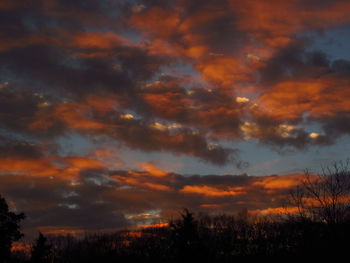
x: 9, y: 229
x: 185, y: 235
x: 41, y: 250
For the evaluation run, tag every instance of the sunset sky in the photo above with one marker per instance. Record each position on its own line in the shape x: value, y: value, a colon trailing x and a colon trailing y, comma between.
x: 117, y: 113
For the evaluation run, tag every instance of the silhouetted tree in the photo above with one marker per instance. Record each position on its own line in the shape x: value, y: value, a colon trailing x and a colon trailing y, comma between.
x: 185, y: 235
x: 41, y: 250
x: 325, y: 196
x: 9, y: 229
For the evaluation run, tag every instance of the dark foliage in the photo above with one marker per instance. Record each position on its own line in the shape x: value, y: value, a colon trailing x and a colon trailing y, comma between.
x: 9, y: 229
x: 41, y: 251
x: 203, y: 238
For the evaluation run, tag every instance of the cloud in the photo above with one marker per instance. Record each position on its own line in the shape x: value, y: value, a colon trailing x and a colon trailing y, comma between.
x: 209, y: 191
x: 89, y: 40
x: 93, y: 116
x: 223, y: 44
x: 138, y: 134
x: 185, y: 77
x: 152, y: 169
x: 101, y: 198
x: 18, y: 107
x: 10, y: 148
x: 273, y: 183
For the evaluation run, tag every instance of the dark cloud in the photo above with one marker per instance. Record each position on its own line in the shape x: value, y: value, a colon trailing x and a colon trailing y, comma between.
x: 106, y: 202
x: 55, y: 203
x: 341, y: 66
x: 282, y: 136
x: 310, y: 89
x: 294, y: 61
x: 139, y: 135
x: 210, y: 110
x: 19, y: 149
x: 18, y: 107
x: 338, y: 125
x: 55, y: 68
x: 30, y: 112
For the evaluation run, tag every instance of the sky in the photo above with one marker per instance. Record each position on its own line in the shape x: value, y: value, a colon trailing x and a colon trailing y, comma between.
x: 120, y: 113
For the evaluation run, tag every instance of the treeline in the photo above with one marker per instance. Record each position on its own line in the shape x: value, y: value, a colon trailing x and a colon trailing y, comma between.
x: 202, y: 238
x: 319, y: 228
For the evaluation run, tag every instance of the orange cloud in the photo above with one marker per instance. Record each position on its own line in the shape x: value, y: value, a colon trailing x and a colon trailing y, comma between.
x: 224, y: 70
x: 159, y: 47
x: 77, y: 115
x: 170, y: 104
x: 213, y: 206
x: 209, y: 191
x: 152, y: 169
x: 322, y: 97
x: 21, y: 247
x: 279, y: 182
x: 107, y: 157
x: 271, y: 24
x: 140, y: 182
x: 276, y: 211
x: 156, y: 225
x: 324, y: 201
x: 156, y: 21
x: 167, y: 100
x: 103, y: 104
x: 83, y: 163
x: 65, y: 168
x: 40, y: 168
x: 275, y: 19
x: 158, y: 187
x: 98, y: 40
x: 164, y: 25
x: 61, y: 230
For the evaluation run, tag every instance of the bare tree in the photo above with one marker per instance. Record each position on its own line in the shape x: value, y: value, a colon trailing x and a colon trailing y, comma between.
x: 324, y: 196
